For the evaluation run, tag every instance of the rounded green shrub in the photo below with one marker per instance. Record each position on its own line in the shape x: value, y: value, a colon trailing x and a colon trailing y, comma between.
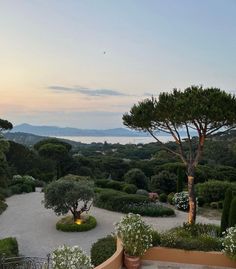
x: 67, y: 224
x: 163, y: 198
x: 213, y: 190
x: 170, y: 198
x: 163, y: 182
x: 9, y: 247
x: 116, y: 185
x: 103, y: 249
x: 142, y: 192
x: 137, y: 177
x: 129, y: 188
x: 101, y: 183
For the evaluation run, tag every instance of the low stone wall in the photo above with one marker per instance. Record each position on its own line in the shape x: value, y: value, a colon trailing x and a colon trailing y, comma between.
x: 189, y: 257
x: 115, y: 261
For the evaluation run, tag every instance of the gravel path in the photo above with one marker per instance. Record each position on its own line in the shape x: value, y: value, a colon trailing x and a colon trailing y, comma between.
x: 34, y: 226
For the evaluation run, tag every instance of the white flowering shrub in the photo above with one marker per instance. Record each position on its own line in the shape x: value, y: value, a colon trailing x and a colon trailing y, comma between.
x: 135, y: 234
x: 229, y: 242
x: 65, y: 257
x: 181, y: 200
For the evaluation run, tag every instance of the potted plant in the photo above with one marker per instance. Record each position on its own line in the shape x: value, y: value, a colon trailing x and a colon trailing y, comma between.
x: 136, y: 237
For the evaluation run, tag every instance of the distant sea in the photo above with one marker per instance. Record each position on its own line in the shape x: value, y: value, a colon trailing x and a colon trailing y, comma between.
x: 115, y: 139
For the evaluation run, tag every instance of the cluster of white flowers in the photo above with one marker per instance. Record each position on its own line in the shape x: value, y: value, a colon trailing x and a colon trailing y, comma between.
x: 181, y: 200
x: 135, y: 234
x: 229, y: 242
x: 65, y: 257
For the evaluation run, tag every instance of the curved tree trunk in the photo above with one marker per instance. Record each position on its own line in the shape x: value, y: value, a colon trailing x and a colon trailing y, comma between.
x: 192, y: 201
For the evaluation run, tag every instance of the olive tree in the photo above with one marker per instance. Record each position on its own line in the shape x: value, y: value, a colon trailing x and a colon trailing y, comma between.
x: 65, y: 196
x: 198, y: 112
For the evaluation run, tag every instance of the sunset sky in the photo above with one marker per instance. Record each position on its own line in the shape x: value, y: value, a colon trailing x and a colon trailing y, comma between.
x: 84, y: 63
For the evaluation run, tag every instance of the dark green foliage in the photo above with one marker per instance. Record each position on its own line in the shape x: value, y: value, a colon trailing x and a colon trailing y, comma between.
x: 204, y: 237
x: 65, y: 195
x: 5, y: 125
x: 101, y: 183
x: 170, y: 198
x: 142, y: 192
x: 129, y: 188
x: 3, y: 207
x: 149, y: 209
x: 213, y: 190
x: 137, y: 177
x: 232, y: 212
x: 200, y: 201
x: 9, y: 247
x: 163, y: 198
x: 53, y: 141
x: 201, y: 243
x: 5, y: 192
x: 116, y: 185
x: 226, y: 209
x: 156, y: 238
x: 21, y: 184
x: 103, y: 249
x: 122, y: 202
x: 163, y: 182
x: 67, y: 224
x: 214, y: 205
x: 181, y: 179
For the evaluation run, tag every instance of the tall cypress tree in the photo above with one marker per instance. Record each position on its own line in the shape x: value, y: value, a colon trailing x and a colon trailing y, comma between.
x: 232, y: 213
x: 226, y: 209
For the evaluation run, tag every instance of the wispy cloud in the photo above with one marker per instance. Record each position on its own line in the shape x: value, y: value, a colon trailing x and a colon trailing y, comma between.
x: 87, y: 91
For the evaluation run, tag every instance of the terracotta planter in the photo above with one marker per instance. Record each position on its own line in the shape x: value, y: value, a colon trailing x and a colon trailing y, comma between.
x: 132, y: 262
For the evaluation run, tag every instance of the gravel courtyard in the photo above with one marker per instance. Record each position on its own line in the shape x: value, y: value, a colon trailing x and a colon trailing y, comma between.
x: 34, y: 226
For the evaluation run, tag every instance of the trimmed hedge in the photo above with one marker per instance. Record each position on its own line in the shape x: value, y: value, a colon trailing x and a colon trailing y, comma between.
x: 129, y: 188
x: 103, y: 249
x: 9, y: 247
x: 122, y: 202
x: 149, y: 209
x: 67, y: 224
x: 3, y: 207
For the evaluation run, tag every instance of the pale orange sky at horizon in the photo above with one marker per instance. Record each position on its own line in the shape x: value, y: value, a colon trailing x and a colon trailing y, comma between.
x: 84, y: 64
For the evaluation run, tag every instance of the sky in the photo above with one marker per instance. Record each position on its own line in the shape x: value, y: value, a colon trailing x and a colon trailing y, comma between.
x: 85, y: 63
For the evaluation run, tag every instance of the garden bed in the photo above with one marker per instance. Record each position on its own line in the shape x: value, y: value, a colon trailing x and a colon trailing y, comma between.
x: 67, y: 224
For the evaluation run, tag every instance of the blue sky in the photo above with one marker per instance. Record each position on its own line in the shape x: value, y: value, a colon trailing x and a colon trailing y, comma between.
x: 84, y: 63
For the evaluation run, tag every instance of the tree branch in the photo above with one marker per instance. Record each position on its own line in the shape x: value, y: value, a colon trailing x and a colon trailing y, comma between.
x: 166, y: 148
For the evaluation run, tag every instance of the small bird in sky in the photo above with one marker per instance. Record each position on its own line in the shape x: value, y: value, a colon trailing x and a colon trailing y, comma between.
x: 104, y: 52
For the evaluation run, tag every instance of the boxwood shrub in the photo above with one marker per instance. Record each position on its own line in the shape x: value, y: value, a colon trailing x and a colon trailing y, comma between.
x: 67, y: 224
x: 9, y: 247
x: 3, y: 207
x: 103, y: 249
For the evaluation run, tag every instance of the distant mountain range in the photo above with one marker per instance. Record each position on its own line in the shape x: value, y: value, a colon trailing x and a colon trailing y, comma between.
x: 68, y: 131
